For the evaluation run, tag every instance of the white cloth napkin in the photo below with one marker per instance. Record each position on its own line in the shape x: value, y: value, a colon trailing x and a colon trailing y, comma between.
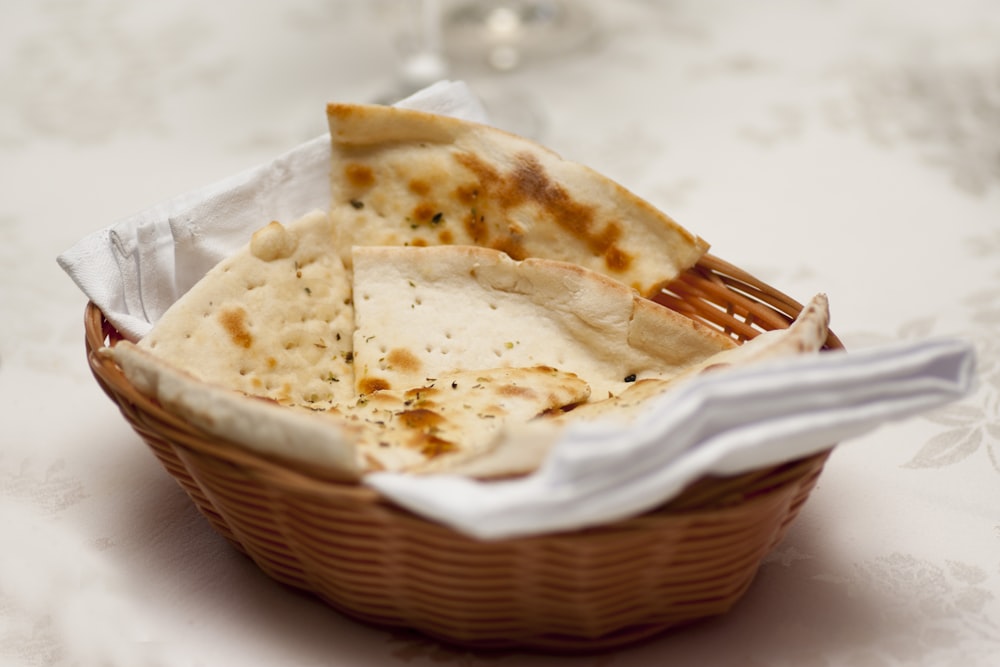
x: 135, y: 269
x: 720, y: 423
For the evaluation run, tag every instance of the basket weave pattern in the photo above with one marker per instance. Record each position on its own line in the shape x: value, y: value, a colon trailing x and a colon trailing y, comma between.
x: 590, y: 589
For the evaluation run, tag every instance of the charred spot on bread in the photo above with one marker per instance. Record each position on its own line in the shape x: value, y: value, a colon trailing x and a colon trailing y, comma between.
x: 234, y: 323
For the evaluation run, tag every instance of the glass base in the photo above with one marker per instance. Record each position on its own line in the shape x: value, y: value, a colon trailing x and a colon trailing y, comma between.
x: 502, y: 35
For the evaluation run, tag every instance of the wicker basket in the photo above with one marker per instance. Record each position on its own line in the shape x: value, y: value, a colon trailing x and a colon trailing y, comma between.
x: 590, y: 589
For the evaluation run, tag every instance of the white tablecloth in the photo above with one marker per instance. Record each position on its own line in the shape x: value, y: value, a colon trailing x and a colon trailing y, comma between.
x: 847, y: 147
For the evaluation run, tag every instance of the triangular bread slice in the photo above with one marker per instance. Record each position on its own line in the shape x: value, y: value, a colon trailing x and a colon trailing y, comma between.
x: 422, y: 312
x: 522, y: 447
x: 295, y: 435
x: 273, y: 320
x: 455, y: 418
x: 805, y: 335
x: 406, y: 177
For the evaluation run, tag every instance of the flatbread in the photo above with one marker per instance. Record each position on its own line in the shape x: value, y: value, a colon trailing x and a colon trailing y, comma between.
x: 522, y: 447
x: 296, y: 435
x: 469, y: 290
x: 422, y: 312
x: 406, y: 177
x: 806, y: 335
x: 456, y: 417
x: 274, y: 320
x: 453, y: 419
x: 448, y: 393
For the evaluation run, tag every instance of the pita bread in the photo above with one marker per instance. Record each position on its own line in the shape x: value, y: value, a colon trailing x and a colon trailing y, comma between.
x: 405, y: 177
x: 422, y: 312
x: 273, y: 320
x: 453, y: 419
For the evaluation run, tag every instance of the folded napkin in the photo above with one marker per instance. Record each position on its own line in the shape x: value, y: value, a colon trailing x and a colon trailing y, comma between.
x: 722, y: 423
x: 135, y: 269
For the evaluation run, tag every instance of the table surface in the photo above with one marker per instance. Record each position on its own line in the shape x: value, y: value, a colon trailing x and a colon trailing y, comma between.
x: 849, y: 147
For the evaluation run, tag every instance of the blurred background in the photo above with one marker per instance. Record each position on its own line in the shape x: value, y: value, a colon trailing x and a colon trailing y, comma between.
x: 730, y: 116
x: 845, y: 146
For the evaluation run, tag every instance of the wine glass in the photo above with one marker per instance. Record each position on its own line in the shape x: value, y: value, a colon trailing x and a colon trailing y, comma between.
x: 480, y: 41
x: 419, y: 45
x: 506, y: 34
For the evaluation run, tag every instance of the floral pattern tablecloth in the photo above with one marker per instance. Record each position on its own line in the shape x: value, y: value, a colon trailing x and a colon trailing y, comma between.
x: 848, y: 147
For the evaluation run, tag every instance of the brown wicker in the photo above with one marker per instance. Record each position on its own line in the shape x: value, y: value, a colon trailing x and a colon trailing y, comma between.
x: 590, y: 589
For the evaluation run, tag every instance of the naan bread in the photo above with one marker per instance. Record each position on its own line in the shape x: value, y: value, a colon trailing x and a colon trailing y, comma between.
x: 406, y: 177
x: 468, y: 295
x: 522, y: 447
x: 276, y: 321
x: 273, y: 320
x: 806, y: 335
x: 466, y: 361
x: 455, y: 418
x: 292, y: 434
x: 422, y: 312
